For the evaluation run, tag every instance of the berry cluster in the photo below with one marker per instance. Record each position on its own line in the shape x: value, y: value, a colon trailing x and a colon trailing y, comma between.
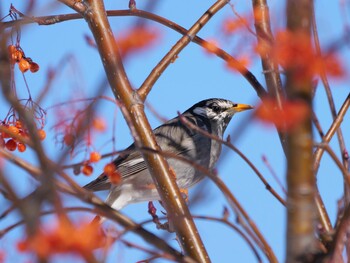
x: 10, y: 142
x: 24, y: 63
x: 113, y: 175
x: 109, y: 169
x: 87, y: 169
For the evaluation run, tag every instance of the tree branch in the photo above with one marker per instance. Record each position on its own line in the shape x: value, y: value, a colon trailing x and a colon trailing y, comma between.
x: 301, y: 207
x: 322, y: 213
x: 264, y: 35
x: 177, y: 48
x: 49, y: 20
x: 169, y: 192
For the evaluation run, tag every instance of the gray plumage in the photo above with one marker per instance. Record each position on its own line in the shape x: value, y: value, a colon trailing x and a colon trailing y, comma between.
x: 212, y: 115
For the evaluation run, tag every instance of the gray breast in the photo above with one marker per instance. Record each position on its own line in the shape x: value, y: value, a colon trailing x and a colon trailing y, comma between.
x: 176, y: 138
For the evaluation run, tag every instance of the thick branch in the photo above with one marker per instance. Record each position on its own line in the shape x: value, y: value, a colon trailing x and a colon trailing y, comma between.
x: 166, y: 185
x: 264, y: 35
x: 301, y: 208
x: 270, y: 67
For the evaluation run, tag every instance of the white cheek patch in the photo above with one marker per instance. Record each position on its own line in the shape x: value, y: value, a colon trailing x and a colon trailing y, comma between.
x: 200, y: 111
x: 205, y: 112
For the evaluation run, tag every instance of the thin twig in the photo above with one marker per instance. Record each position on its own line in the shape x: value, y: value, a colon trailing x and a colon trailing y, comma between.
x: 210, y: 218
x: 327, y: 88
x: 345, y: 172
x: 334, y: 127
x: 323, y: 215
x: 340, y: 238
x: 49, y: 20
x: 177, y: 48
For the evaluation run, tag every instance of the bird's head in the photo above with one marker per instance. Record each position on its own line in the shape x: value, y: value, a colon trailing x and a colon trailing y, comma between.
x: 219, y: 111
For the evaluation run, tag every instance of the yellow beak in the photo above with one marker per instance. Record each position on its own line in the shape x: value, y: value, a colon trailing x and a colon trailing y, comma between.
x: 241, y: 107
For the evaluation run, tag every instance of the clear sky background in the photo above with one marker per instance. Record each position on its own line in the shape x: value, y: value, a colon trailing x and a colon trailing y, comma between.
x: 194, y: 76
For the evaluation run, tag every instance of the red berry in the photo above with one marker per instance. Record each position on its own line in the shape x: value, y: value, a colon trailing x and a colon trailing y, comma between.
x: 33, y: 67
x: 42, y: 134
x: 11, y: 145
x: 94, y: 157
x: 99, y: 124
x: 21, y: 147
x: 115, y: 177
x: 87, y: 169
x: 109, y: 168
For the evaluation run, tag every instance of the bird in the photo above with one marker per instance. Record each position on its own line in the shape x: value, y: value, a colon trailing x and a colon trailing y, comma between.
x: 174, y: 136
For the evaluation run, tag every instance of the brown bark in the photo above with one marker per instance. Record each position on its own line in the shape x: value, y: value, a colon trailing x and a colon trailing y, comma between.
x: 301, y: 207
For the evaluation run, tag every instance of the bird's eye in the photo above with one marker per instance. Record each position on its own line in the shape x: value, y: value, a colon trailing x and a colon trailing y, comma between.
x: 234, y: 105
x: 215, y: 108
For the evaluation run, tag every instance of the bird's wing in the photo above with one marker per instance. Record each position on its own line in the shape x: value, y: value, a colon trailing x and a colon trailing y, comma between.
x: 128, y: 164
x: 133, y: 162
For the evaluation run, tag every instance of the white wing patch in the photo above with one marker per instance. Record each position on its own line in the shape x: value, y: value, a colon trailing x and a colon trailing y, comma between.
x: 132, y: 162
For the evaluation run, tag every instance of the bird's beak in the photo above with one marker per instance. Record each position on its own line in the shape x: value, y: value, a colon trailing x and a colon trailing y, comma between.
x: 242, y: 107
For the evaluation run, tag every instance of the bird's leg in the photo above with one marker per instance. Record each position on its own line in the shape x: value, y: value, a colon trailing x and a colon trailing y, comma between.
x: 152, y: 210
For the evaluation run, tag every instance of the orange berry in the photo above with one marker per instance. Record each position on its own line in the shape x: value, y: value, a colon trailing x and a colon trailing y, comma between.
x: 13, y: 129
x: 12, y: 49
x: 115, y: 177
x: 23, y: 65
x: 95, y: 157
x: 99, y: 124
x: 21, y: 147
x: 109, y: 168
x: 42, y: 134
x: 11, y: 145
x: 87, y: 169
x: 18, y: 55
x: 33, y: 67
x: 68, y: 139
x: 15, y: 54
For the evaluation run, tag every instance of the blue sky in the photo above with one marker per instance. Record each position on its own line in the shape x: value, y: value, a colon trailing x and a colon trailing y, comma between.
x: 194, y: 76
